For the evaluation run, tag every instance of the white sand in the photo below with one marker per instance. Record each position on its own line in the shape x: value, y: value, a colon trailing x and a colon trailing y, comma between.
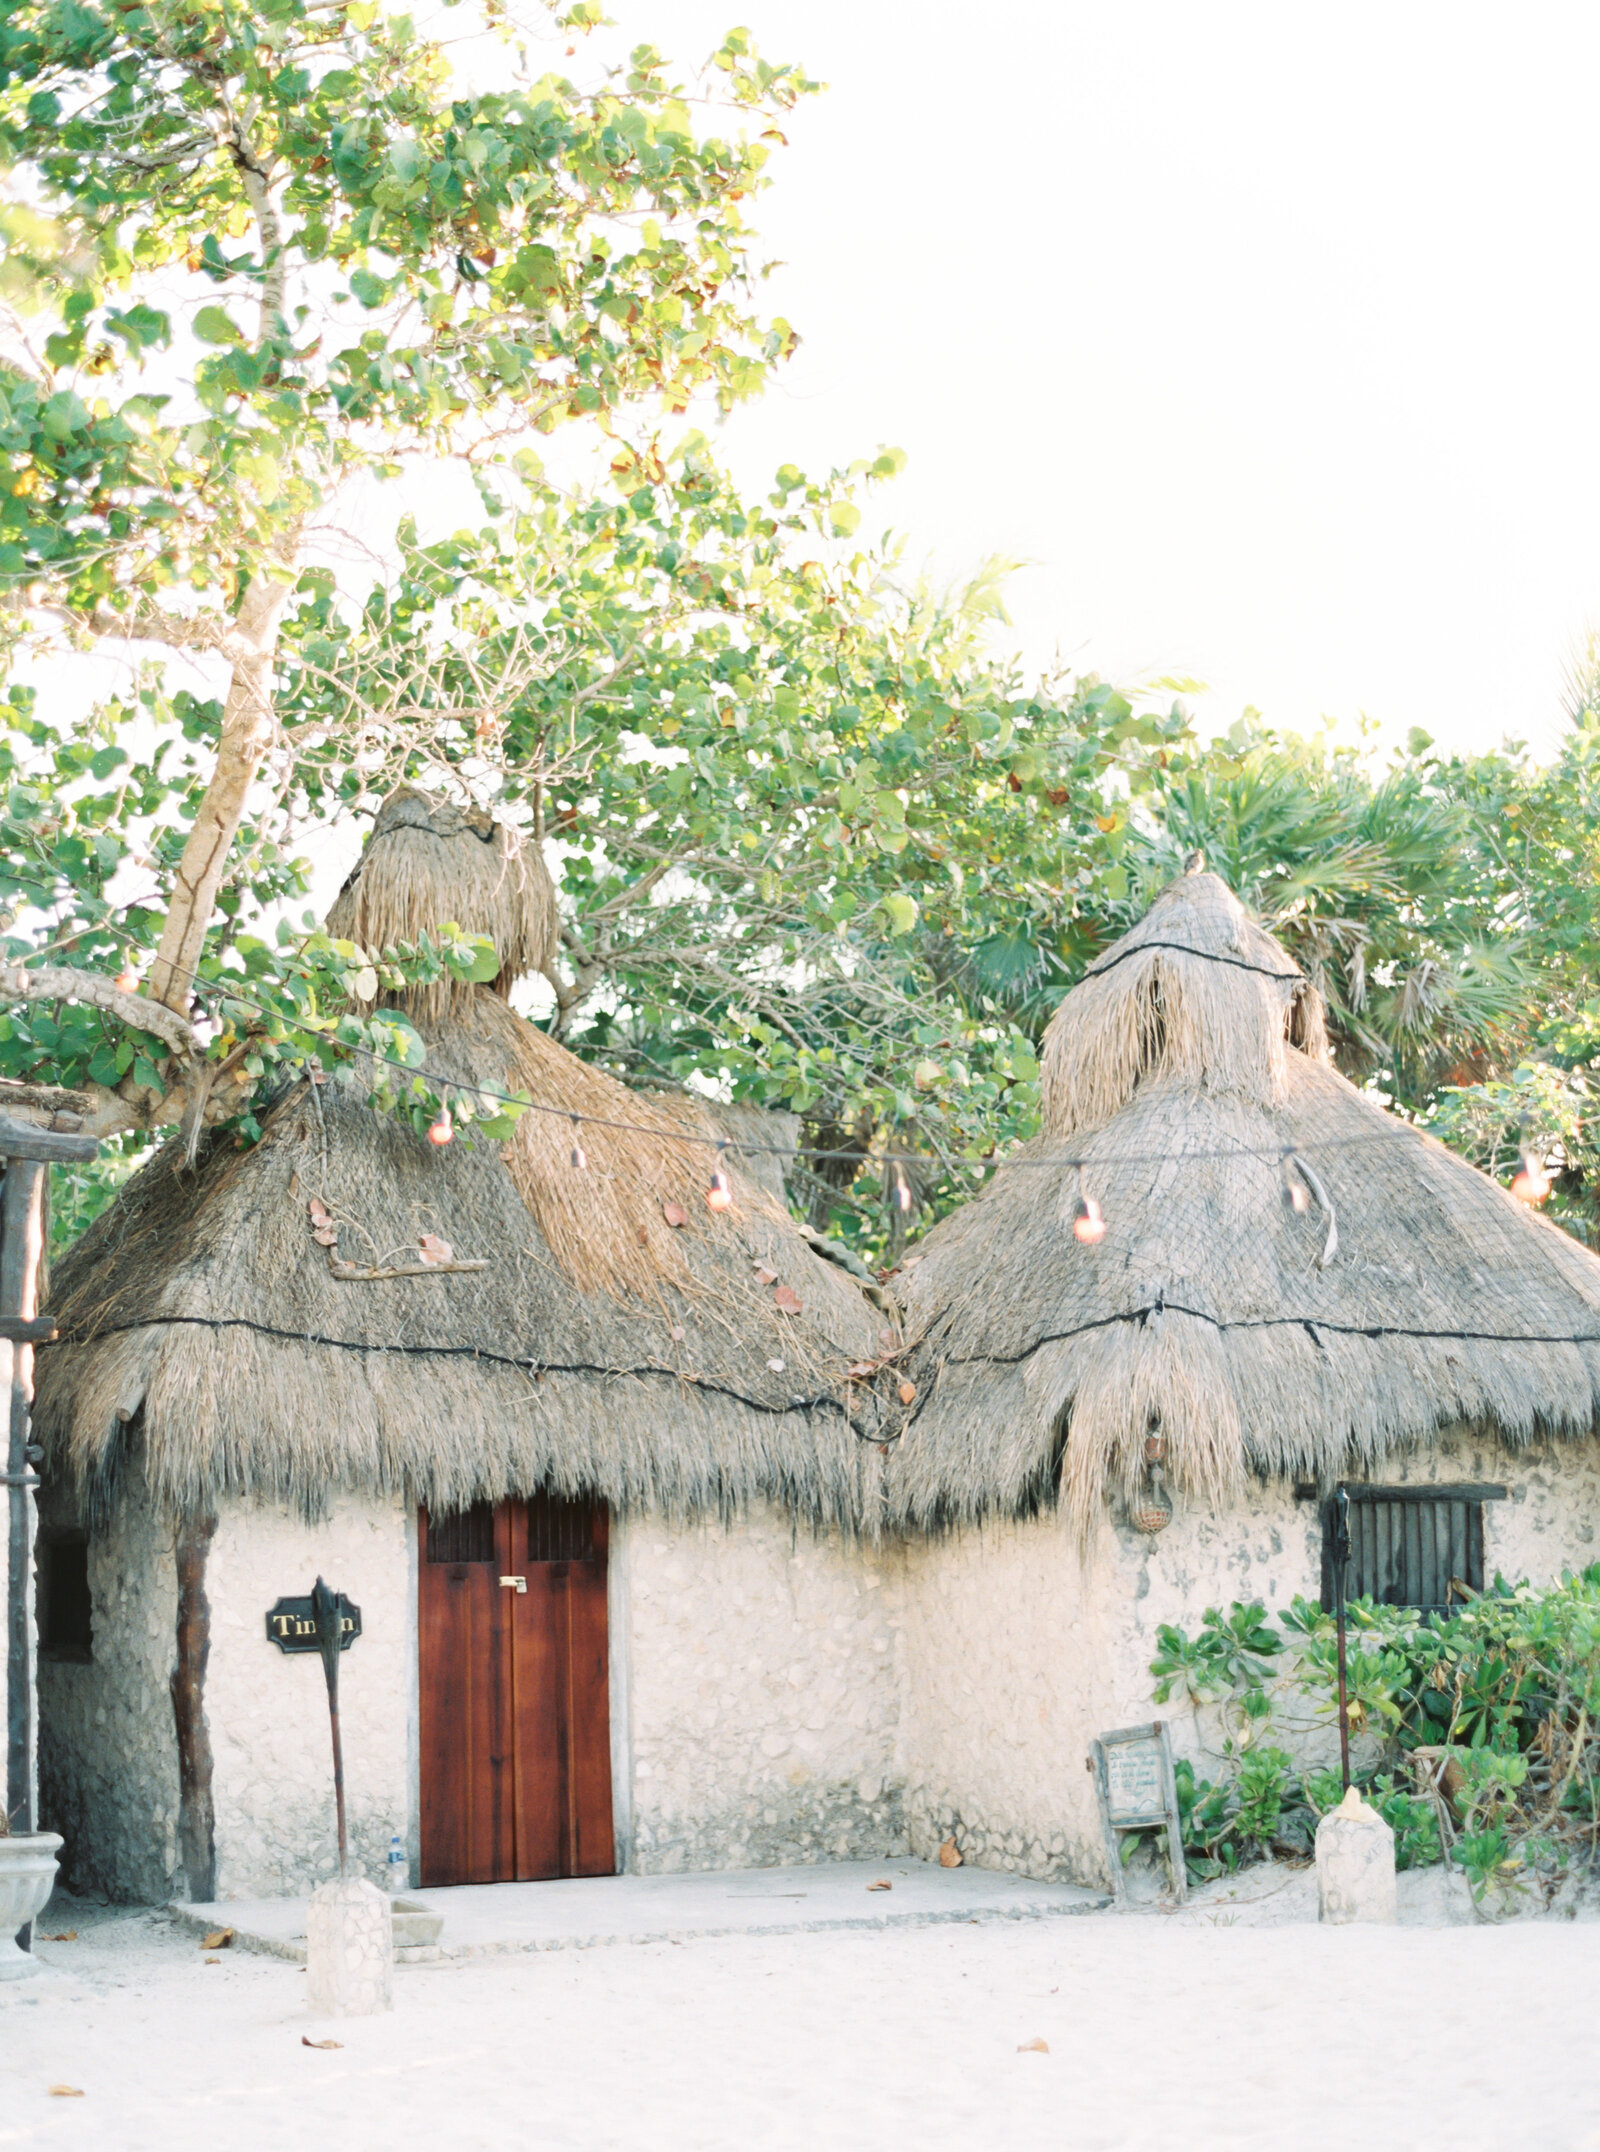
x: 1227, y: 2026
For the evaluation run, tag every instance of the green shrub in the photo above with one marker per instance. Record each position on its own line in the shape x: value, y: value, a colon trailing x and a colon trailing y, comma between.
x: 1509, y: 1685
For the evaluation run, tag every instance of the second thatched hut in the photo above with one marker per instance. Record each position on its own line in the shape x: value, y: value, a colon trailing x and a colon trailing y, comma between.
x: 1221, y: 1282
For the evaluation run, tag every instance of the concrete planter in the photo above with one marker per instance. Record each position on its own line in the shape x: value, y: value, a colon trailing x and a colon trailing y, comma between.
x: 27, y: 1877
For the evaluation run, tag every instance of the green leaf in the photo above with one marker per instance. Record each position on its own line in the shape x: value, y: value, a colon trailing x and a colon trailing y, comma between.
x: 215, y: 325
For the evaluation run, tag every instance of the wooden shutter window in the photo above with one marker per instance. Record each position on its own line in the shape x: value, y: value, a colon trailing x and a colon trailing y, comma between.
x: 559, y: 1530
x: 1411, y: 1546
x: 462, y: 1535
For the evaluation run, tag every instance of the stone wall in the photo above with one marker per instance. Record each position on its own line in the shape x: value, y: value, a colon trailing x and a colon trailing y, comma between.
x: 268, y: 1712
x: 763, y: 1695
x: 778, y: 1697
x: 108, y: 1763
x: 1005, y: 1649
x: 108, y: 1750
x: 1016, y: 1655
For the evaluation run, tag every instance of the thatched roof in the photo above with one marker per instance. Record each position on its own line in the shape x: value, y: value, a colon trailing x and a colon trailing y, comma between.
x: 1180, y: 1073
x: 428, y: 863
x: 620, y: 1338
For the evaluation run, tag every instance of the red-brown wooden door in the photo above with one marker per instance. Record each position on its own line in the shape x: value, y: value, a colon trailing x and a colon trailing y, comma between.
x: 513, y: 1692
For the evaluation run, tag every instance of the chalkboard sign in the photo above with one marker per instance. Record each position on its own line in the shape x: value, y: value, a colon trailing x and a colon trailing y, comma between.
x: 1134, y: 1780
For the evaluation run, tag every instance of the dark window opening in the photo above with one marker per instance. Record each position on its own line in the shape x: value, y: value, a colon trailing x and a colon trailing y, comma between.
x: 559, y: 1530
x: 1416, y: 1547
x: 462, y: 1535
x: 66, y: 1624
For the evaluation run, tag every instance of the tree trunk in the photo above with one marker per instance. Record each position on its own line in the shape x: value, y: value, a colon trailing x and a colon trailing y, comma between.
x: 248, y: 727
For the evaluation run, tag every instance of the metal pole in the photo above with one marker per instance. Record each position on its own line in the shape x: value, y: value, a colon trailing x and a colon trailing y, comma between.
x: 325, y: 1613
x: 25, y: 1150
x: 1341, y: 1559
x: 21, y: 1233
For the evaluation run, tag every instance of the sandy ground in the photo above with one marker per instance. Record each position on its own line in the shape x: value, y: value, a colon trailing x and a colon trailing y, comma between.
x: 1234, y: 2024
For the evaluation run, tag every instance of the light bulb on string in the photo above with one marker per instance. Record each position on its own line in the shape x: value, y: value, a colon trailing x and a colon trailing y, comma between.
x: 580, y: 1157
x: 1295, y: 1192
x: 719, y: 1196
x: 1088, y: 1222
x: 902, y: 1188
x: 441, y: 1130
x: 1530, y: 1183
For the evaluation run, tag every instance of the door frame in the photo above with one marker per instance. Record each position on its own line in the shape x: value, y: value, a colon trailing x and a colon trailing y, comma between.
x: 619, y: 1645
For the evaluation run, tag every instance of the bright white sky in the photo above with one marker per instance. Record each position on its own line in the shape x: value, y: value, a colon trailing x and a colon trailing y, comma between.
x: 1267, y: 334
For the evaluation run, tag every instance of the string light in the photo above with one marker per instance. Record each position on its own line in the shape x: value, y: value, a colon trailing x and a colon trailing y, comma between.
x: 1042, y: 1160
x: 902, y: 1188
x: 580, y: 1157
x: 1088, y: 1221
x: 442, y: 1130
x: 1530, y: 1183
x: 719, y: 1196
x: 1295, y: 1192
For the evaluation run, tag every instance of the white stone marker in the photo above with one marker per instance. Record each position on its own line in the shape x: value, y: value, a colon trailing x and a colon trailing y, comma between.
x: 1355, y: 1864
x: 349, y: 1950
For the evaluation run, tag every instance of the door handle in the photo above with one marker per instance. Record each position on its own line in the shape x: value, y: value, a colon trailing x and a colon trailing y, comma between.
x: 516, y: 1584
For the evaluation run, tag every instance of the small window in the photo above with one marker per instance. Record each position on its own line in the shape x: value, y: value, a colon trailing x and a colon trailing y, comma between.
x: 1411, y: 1546
x: 462, y: 1535
x: 66, y: 1626
x: 559, y: 1530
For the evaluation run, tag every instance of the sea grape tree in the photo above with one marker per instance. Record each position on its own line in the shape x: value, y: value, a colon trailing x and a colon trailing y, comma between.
x: 253, y: 251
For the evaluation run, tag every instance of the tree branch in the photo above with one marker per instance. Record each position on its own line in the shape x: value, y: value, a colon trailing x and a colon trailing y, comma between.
x: 59, y: 982
x: 201, y: 631
x: 42, y: 1097
x: 249, y: 725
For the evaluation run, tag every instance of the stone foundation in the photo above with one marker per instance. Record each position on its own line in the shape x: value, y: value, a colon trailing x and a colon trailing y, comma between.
x: 988, y: 1842
x: 778, y: 1828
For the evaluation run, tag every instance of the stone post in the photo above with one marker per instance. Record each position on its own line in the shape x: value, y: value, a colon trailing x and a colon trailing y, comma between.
x: 1355, y: 1864
x: 349, y: 1950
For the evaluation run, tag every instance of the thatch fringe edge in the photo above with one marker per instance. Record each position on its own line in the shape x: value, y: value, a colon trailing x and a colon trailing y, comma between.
x: 131, y: 1396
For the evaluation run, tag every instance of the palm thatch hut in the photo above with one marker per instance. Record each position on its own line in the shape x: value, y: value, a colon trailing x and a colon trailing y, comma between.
x: 1219, y: 1282
x: 584, y: 1449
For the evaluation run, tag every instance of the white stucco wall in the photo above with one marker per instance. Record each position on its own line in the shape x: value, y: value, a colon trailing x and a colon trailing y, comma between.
x: 777, y: 1696
x: 1005, y: 1650
x: 268, y: 1713
x: 1016, y: 1655
x: 108, y: 1761
x: 763, y: 1694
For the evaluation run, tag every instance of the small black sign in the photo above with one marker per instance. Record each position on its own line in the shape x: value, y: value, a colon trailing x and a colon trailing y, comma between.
x: 292, y: 1626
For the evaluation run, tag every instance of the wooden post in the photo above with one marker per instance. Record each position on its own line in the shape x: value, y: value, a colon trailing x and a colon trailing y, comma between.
x: 197, y: 1838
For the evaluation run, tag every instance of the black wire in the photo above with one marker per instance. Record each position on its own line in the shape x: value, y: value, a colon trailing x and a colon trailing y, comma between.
x: 1209, y: 956
x: 526, y: 1366
x: 1311, y: 1323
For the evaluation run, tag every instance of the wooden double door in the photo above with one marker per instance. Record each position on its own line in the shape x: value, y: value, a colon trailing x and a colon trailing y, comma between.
x: 514, y: 1693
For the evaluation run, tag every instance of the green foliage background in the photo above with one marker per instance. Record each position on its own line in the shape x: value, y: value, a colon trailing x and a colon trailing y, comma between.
x: 820, y: 843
